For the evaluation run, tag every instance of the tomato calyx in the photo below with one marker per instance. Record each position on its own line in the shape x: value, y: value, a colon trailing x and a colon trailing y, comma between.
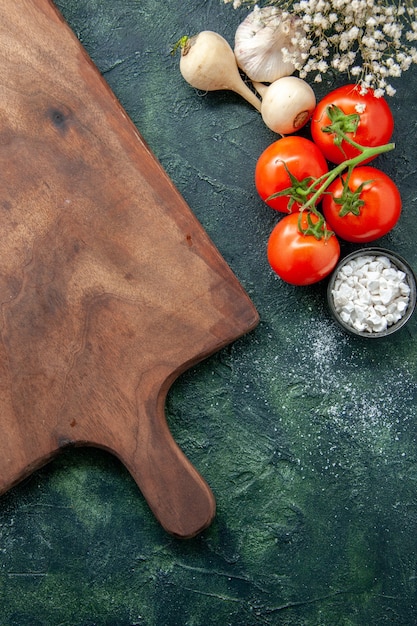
x: 350, y: 200
x: 341, y: 124
x: 315, y: 227
x: 299, y: 190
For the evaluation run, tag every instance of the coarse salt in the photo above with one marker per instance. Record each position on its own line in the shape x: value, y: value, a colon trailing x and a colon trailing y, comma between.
x: 370, y: 293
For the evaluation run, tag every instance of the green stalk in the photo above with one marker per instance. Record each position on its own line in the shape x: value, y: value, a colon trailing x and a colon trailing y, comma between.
x: 329, y: 177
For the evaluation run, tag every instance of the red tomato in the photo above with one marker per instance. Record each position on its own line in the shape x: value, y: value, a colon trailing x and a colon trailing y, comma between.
x: 375, y: 128
x: 375, y: 211
x: 297, y: 258
x: 304, y: 161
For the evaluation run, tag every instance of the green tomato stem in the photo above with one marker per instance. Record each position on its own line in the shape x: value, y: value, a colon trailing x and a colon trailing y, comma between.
x: 326, y: 180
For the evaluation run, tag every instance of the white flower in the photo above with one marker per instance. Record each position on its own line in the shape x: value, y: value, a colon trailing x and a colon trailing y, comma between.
x: 369, y: 39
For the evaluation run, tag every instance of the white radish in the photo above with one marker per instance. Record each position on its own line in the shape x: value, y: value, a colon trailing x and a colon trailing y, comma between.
x: 208, y: 63
x: 287, y: 104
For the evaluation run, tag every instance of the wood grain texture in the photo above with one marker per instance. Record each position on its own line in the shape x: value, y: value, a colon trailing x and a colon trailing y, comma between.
x: 109, y: 286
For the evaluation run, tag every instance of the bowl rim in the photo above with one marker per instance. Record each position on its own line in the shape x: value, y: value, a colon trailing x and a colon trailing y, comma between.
x: 401, y: 264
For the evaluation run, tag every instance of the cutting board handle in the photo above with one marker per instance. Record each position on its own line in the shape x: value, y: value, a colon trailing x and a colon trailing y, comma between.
x: 175, y: 491
x: 177, y: 494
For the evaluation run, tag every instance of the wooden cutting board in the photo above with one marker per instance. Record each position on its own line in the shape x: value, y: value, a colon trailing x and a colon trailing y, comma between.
x: 109, y: 286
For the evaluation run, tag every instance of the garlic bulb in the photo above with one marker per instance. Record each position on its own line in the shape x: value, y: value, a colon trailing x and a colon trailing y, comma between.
x: 259, y: 41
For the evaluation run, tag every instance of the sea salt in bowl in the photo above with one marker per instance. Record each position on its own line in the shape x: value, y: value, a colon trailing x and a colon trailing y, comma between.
x: 372, y: 292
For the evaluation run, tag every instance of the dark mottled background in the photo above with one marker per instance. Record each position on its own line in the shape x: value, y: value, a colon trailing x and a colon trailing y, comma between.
x: 306, y: 435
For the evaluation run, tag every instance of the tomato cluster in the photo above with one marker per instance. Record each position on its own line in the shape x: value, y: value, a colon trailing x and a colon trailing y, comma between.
x: 359, y: 203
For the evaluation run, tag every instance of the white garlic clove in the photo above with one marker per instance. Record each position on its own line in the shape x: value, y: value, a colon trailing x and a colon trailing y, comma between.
x: 264, y: 48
